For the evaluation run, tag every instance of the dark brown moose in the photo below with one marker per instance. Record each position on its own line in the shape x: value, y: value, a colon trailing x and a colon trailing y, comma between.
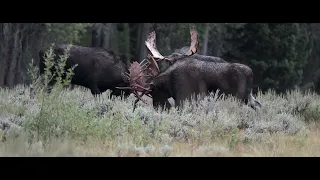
x: 97, y: 69
x: 188, y: 76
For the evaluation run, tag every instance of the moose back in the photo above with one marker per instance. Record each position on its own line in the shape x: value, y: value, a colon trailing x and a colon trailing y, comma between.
x: 97, y: 69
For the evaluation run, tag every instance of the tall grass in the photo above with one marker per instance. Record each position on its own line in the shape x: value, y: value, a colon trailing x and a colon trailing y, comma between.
x: 73, y: 123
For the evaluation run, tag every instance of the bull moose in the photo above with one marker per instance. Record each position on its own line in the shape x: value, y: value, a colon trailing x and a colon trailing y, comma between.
x: 97, y: 68
x: 188, y: 76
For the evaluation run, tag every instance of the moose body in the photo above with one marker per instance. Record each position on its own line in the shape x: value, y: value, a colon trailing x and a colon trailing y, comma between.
x: 189, y: 77
x: 97, y: 69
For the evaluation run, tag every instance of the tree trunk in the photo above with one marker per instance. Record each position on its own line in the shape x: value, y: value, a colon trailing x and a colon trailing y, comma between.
x: 19, y: 78
x: 11, y: 53
x: 5, y: 39
x: 32, y: 42
x: 114, y: 39
x: 106, y: 32
x: 127, y: 43
x: 96, y: 35
x: 219, y: 37
x: 143, y: 37
x: 137, y: 49
x: 205, y: 39
x: 15, y: 54
x: 311, y: 69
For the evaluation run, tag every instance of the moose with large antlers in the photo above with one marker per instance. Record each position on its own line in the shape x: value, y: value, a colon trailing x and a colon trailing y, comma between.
x: 187, y: 76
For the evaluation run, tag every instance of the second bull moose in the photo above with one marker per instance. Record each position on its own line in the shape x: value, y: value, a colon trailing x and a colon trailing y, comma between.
x: 188, y: 75
x: 97, y: 70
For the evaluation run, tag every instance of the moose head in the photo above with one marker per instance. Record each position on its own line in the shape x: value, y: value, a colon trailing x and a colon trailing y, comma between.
x: 141, y: 74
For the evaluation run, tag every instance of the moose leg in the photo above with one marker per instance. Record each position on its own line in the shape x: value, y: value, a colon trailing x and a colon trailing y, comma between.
x: 160, y: 99
x: 202, y: 91
x: 241, y: 92
x: 120, y: 92
x: 92, y: 84
x: 115, y: 93
x: 253, y: 103
x: 183, y: 94
x: 188, y: 89
x: 95, y: 90
x: 163, y: 103
x: 248, y: 97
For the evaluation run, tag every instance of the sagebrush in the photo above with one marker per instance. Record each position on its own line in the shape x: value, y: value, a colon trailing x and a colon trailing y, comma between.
x: 68, y: 122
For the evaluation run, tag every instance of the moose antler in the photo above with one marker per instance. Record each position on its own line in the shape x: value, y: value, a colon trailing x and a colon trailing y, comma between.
x: 151, y: 45
x: 153, y: 66
x: 137, y: 78
x: 194, y: 42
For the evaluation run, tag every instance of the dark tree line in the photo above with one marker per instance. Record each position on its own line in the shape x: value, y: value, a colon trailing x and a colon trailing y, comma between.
x: 282, y: 56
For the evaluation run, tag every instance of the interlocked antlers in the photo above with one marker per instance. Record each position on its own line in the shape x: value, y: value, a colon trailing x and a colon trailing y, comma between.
x: 151, y: 45
x: 139, y: 77
x: 141, y: 74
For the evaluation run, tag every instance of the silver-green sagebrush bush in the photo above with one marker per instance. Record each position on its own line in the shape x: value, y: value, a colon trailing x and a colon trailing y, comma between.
x: 79, y: 115
x: 76, y: 115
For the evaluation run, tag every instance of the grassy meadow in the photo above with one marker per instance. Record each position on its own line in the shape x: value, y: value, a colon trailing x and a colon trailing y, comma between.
x: 74, y: 123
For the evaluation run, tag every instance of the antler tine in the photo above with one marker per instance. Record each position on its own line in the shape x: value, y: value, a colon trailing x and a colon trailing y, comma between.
x: 194, y: 42
x: 144, y: 61
x: 153, y: 66
x: 124, y: 87
x: 144, y: 64
x: 136, y: 101
x: 151, y: 45
x: 135, y: 104
x: 148, y: 75
x: 127, y: 74
x: 138, y: 77
x: 139, y: 98
x: 144, y: 89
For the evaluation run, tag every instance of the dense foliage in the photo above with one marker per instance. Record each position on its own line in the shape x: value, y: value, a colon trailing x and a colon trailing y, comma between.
x: 282, y: 56
x: 276, y: 52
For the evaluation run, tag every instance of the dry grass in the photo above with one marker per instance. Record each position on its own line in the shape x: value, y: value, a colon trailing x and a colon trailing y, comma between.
x: 278, y: 145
